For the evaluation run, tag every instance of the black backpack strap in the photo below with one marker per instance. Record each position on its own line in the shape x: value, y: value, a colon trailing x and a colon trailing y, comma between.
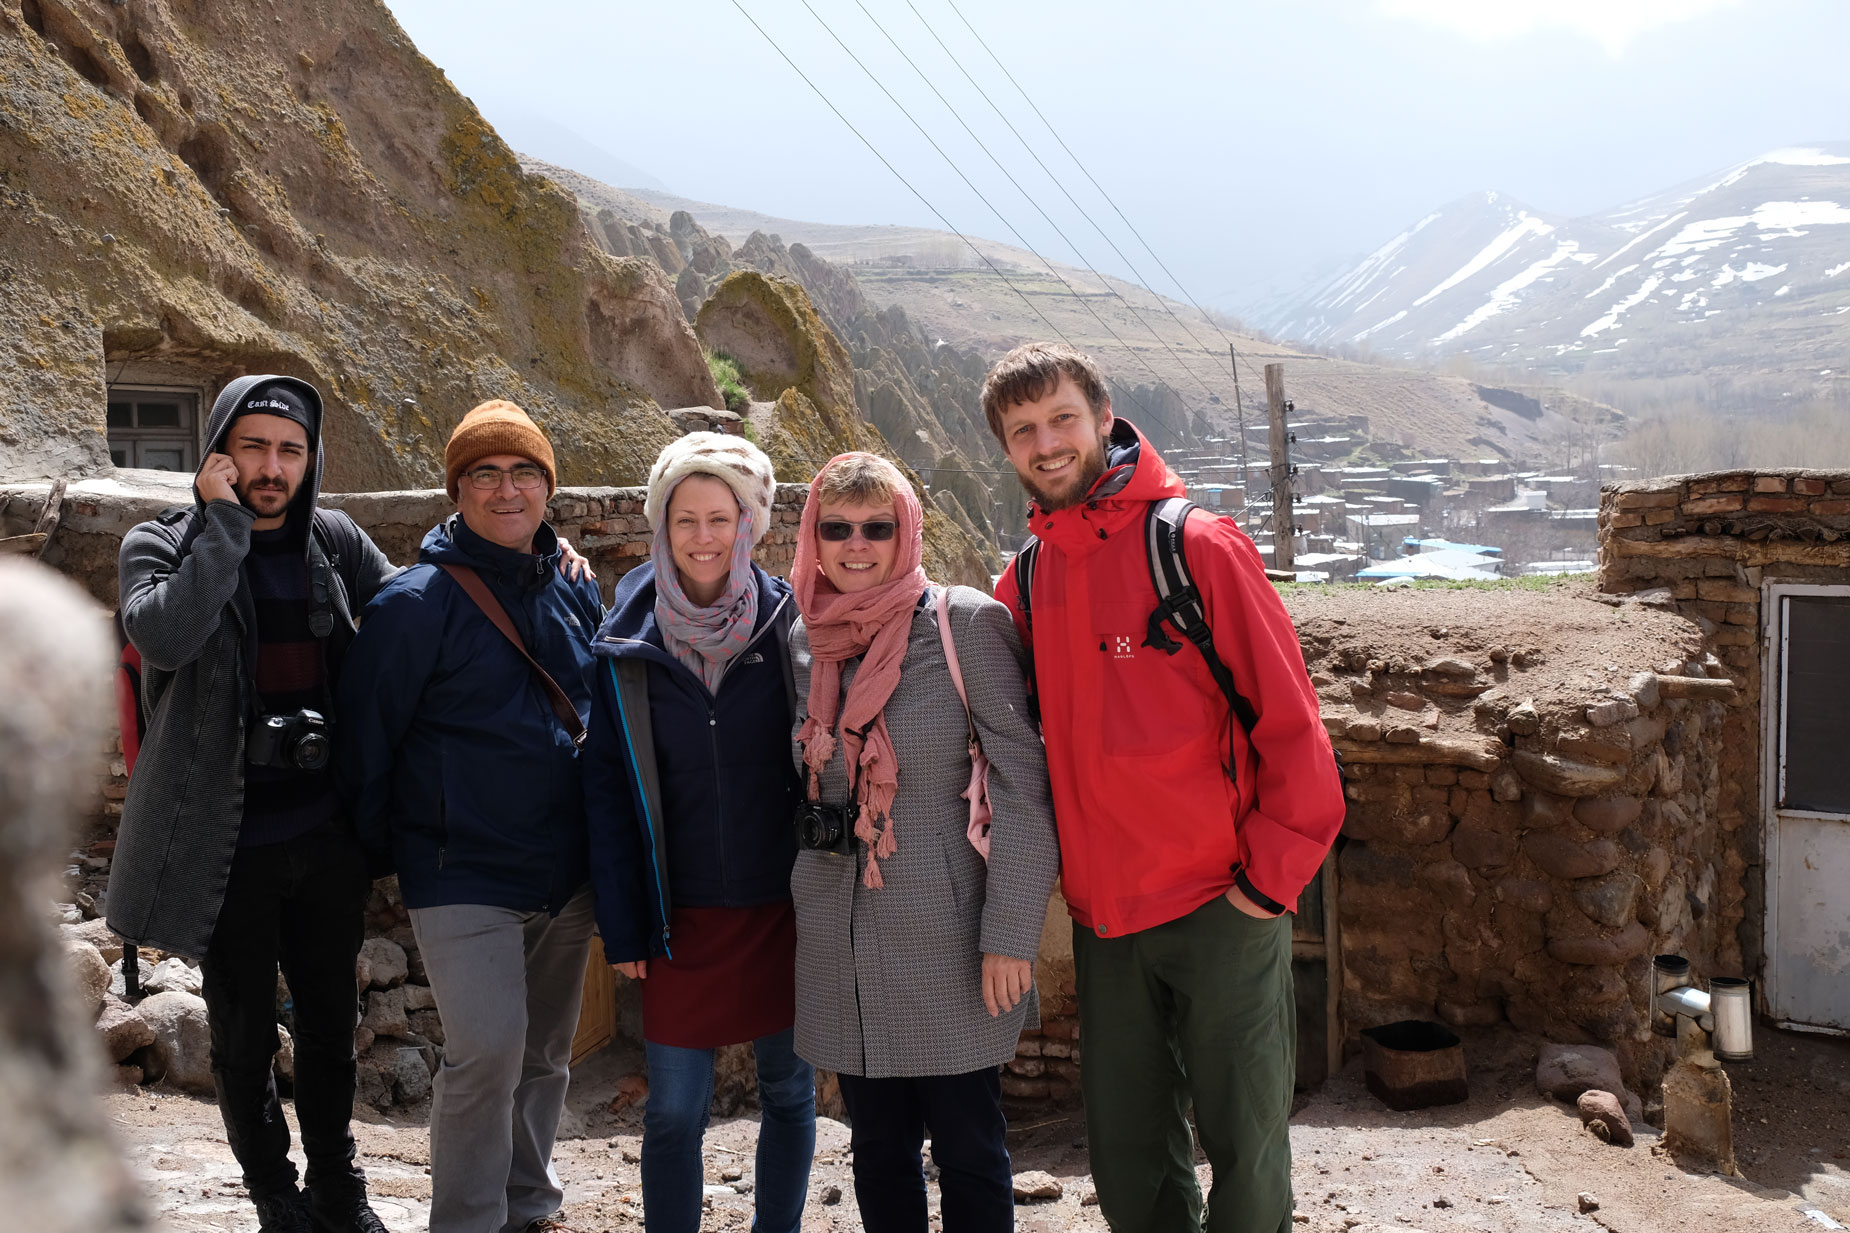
x: 1024, y: 580
x: 1178, y: 602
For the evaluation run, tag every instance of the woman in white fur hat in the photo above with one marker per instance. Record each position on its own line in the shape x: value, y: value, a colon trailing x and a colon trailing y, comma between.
x: 690, y: 793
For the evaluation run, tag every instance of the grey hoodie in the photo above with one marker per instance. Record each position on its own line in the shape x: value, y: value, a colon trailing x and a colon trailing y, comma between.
x: 187, y: 608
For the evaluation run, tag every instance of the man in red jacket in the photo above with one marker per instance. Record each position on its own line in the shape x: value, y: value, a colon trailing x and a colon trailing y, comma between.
x: 1184, y: 838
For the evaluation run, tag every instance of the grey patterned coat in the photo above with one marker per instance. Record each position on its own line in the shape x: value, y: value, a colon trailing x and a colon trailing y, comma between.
x: 889, y: 981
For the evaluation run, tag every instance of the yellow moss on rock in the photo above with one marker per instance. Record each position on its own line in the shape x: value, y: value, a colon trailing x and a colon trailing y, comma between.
x: 298, y: 228
x: 770, y: 327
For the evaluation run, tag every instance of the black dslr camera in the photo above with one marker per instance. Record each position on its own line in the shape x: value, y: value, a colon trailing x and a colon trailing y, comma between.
x: 297, y: 742
x: 822, y: 827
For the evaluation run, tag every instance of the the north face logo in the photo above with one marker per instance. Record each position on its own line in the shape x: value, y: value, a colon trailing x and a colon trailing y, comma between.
x: 753, y: 658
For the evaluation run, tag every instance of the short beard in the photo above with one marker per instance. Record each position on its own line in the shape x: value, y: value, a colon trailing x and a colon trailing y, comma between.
x: 247, y: 498
x: 1091, y: 467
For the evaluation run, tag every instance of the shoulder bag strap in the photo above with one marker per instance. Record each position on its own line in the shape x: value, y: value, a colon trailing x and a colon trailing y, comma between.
x: 950, y: 657
x: 785, y: 620
x: 477, y: 590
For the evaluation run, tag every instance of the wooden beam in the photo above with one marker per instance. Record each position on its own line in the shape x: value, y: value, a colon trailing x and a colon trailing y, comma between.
x: 1284, y: 548
x: 1708, y: 688
x: 1332, y: 966
x: 50, y: 516
x: 16, y: 545
x: 1484, y: 755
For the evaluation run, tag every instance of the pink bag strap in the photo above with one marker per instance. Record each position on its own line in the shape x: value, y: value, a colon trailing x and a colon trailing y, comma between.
x: 950, y: 656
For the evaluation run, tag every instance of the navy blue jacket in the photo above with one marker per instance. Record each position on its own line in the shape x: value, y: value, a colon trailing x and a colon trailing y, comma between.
x: 449, y: 754
x: 691, y: 795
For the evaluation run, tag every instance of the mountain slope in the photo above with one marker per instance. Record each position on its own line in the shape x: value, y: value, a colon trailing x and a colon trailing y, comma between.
x: 1148, y: 343
x: 1747, y: 269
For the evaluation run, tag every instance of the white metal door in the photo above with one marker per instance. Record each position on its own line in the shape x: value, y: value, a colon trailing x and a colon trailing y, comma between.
x: 1807, y: 725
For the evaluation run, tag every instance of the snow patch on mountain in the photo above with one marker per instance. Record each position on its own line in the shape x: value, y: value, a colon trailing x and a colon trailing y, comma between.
x: 1526, y: 225
x: 1490, y: 276
x: 1505, y: 294
x: 1622, y: 307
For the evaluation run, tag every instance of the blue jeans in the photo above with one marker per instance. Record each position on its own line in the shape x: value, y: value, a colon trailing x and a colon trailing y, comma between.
x: 675, y: 1120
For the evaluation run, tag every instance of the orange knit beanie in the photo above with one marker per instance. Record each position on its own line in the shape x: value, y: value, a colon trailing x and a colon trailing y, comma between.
x: 496, y: 427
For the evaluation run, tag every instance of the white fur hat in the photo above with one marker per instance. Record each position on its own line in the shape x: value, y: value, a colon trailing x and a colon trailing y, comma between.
x: 734, y: 460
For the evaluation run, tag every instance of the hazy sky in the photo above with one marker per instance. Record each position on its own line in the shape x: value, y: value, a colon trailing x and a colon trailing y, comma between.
x: 1248, y: 142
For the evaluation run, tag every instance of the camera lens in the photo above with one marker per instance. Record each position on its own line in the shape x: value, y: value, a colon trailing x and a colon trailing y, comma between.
x: 311, y: 751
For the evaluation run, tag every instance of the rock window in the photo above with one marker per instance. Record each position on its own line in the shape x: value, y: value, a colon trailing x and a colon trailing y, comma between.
x: 154, y: 429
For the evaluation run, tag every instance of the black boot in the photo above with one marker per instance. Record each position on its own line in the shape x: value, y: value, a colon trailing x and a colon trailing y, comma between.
x: 281, y: 1211
x: 339, y: 1206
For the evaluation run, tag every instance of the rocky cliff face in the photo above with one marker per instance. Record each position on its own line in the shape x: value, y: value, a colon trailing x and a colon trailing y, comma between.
x: 770, y: 327
x: 921, y: 392
x: 193, y: 191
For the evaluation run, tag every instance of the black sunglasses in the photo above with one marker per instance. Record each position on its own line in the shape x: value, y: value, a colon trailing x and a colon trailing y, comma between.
x: 836, y: 531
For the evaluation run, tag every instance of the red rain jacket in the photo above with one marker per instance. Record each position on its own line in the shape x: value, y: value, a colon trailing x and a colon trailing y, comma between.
x: 1137, y: 739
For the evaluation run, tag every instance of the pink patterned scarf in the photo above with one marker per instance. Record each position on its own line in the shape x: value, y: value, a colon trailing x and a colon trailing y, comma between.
x: 875, y: 623
x: 706, y: 639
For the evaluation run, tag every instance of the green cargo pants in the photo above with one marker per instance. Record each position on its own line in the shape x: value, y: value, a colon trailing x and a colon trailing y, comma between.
x: 1196, y: 1010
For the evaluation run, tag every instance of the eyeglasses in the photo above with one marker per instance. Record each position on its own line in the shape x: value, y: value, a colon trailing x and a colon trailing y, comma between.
x: 877, y: 531
x: 526, y: 475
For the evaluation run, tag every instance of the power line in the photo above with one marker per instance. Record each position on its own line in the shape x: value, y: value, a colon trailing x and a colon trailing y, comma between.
x: 902, y: 179
x: 937, y: 213
x: 1103, y: 234
x: 1010, y: 176
x: 1094, y: 182
x: 951, y: 163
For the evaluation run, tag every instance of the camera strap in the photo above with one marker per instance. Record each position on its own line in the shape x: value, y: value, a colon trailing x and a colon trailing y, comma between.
x: 477, y: 590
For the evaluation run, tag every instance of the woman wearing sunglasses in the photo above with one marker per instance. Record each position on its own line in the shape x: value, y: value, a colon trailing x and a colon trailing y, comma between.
x: 690, y: 792
x: 914, y: 951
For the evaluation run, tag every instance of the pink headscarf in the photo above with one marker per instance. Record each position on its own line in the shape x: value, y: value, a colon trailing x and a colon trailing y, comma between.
x: 875, y: 623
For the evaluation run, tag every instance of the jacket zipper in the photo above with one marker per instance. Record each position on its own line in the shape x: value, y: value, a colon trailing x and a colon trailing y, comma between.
x: 719, y: 806
x: 719, y: 822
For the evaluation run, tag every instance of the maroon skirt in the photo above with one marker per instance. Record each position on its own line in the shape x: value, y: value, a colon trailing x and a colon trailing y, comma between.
x: 732, y: 978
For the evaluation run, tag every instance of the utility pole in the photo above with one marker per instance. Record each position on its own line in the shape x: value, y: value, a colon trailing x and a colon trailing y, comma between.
x: 1246, y: 471
x: 1284, y: 516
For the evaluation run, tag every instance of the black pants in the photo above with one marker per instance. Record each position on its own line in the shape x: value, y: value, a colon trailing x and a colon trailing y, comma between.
x: 964, y: 1115
x: 300, y: 903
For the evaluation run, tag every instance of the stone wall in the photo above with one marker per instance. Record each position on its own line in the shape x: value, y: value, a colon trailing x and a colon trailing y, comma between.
x: 1706, y: 546
x: 1532, y: 807
x: 605, y: 524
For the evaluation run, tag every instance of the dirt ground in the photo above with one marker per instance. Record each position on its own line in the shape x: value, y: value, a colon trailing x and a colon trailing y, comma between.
x: 1507, y: 1161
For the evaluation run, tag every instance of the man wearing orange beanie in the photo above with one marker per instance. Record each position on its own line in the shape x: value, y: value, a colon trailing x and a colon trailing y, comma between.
x: 460, y: 758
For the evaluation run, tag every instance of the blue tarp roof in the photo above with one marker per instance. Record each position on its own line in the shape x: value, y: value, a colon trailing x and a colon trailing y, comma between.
x: 1434, y: 545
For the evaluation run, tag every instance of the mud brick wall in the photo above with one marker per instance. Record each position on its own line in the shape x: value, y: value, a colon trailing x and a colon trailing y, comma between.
x: 1532, y: 811
x: 1706, y: 546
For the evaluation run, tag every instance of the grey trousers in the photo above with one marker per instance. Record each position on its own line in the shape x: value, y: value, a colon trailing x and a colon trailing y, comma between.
x: 508, y: 986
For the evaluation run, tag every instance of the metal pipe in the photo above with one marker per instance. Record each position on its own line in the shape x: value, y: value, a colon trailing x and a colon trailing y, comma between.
x: 1667, y: 972
x: 1732, y: 1000
x: 1692, y: 1003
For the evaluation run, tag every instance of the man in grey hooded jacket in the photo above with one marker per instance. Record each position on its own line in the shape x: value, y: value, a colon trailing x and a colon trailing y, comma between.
x: 234, y: 848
